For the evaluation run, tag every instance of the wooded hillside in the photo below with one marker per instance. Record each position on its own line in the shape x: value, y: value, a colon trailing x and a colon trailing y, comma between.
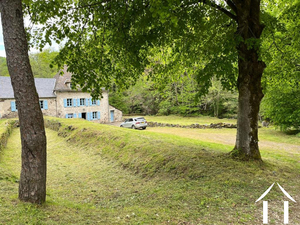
x: 40, y: 64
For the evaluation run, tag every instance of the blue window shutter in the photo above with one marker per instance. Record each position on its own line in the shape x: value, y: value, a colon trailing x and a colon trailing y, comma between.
x: 67, y: 116
x: 98, y: 113
x: 87, y: 102
x: 79, y: 115
x: 90, y: 101
x: 78, y: 102
x: 88, y: 116
x: 98, y: 102
x: 65, y: 103
x: 45, y: 104
x: 75, y: 116
x: 74, y: 102
x: 13, y: 106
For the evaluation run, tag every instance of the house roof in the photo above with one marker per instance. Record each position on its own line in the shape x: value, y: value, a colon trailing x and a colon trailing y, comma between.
x: 44, y: 87
x: 63, y: 80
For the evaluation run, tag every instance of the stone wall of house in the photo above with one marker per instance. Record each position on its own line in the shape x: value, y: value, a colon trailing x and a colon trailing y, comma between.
x: 6, y: 110
x: 116, y: 113
x: 63, y: 110
x: 51, y: 111
x: 56, y: 107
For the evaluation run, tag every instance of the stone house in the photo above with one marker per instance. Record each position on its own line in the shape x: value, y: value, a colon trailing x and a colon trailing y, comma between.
x: 59, y: 100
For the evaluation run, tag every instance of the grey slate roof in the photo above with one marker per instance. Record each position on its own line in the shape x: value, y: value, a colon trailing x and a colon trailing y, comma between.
x: 44, y: 86
x: 63, y: 80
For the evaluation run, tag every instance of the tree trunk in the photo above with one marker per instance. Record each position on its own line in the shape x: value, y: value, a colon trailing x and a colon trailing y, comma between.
x: 32, y: 187
x: 249, y: 80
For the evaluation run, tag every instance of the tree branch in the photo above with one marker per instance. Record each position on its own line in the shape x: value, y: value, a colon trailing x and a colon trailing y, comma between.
x: 231, y: 5
x: 220, y: 8
x: 91, y: 5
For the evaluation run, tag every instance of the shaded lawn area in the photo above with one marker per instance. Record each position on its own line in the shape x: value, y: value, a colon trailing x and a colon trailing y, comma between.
x: 274, y: 145
x: 269, y: 138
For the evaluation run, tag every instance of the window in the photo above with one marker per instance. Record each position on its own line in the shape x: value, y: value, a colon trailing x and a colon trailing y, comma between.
x: 82, y: 102
x: 94, y: 116
x: 94, y: 102
x: 42, y: 104
x: 69, y: 102
x: 13, y: 105
x: 70, y: 115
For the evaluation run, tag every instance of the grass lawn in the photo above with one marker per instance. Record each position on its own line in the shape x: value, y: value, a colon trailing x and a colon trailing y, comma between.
x: 100, y: 174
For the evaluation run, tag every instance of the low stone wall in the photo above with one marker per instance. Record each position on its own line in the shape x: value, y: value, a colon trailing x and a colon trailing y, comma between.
x: 52, y: 124
x: 194, y: 126
x: 10, y: 124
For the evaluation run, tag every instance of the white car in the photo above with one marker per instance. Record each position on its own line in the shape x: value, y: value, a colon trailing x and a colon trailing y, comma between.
x: 135, y: 123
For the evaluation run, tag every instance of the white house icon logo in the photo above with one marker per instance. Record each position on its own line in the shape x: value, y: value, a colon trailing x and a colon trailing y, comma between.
x: 265, y: 205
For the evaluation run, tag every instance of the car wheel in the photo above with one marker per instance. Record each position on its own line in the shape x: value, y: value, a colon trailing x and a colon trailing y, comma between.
x: 121, y: 126
x: 144, y: 128
x: 133, y: 127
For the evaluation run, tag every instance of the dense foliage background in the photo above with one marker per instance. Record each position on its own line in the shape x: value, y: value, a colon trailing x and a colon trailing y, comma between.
x: 178, y: 97
x: 149, y: 97
x: 173, y: 89
x: 281, y: 103
x: 40, y: 64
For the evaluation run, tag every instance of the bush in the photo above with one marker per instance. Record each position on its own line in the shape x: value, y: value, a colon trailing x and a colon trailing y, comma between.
x: 164, y: 108
x: 282, y: 106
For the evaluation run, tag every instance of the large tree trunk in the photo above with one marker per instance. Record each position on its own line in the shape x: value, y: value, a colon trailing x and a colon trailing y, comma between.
x: 32, y: 187
x: 249, y: 80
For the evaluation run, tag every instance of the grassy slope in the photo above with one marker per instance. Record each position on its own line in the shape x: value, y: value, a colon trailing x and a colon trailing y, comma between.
x: 2, y: 126
x: 107, y: 175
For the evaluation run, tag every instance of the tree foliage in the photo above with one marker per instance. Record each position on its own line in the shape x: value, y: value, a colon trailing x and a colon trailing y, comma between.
x: 40, y: 64
x: 112, y: 40
x: 117, y: 39
x: 282, y: 106
x: 281, y: 50
x: 3, y: 67
x: 179, y: 96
